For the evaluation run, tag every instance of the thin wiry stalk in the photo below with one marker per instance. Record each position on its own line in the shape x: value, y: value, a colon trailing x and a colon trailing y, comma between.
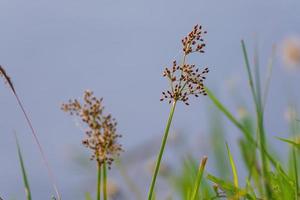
x: 186, y: 80
x: 161, y: 151
x: 99, y: 181
x: 104, y: 181
x: 50, y: 174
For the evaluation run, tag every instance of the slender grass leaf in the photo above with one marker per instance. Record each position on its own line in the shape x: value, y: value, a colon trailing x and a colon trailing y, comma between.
x: 88, y: 196
x: 199, y: 178
x: 233, y: 168
x: 269, y: 75
x: 245, y: 131
x: 290, y: 142
x: 24, y: 174
x: 232, y: 192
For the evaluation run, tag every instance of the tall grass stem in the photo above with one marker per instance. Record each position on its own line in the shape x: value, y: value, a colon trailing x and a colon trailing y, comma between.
x: 99, y: 181
x: 104, y: 181
x: 161, y: 151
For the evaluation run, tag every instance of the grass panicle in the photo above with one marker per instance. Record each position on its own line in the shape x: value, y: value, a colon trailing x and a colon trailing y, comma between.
x: 185, y: 80
x: 101, y: 134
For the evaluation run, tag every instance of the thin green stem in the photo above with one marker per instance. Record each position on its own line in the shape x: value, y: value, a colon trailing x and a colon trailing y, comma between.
x: 263, y: 150
x: 296, y: 173
x: 294, y: 149
x: 99, y: 181
x: 104, y: 181
x: 161, y: 151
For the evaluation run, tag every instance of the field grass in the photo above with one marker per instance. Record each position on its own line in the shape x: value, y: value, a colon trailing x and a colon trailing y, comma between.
x: 266, y: 176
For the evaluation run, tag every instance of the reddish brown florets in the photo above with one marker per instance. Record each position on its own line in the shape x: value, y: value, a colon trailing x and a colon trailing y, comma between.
x: 186, y: 79
x: 101, y: 136
x: 194, y: 42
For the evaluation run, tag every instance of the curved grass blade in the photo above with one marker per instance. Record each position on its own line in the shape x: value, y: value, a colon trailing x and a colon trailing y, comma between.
x: 242, y: 128
x: 88, y: 196
x: 233, y: 168
x: 24, y: 174
x: 294, y: 157
x: 232, y: 192
x: 295, y: 144
x: 222, y: 108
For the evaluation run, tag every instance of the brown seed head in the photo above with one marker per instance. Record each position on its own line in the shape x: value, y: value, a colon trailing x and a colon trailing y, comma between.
x: 194, y: 42
x: 186, y: 79
x: 7, y: 79
x: 101, y: 133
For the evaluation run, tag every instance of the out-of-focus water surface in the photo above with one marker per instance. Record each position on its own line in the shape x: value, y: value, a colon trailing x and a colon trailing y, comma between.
x: 54, y: 50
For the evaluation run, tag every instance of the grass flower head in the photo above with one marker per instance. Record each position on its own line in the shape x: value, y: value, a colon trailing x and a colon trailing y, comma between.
x: 101, y: 133
x: 186, y: 79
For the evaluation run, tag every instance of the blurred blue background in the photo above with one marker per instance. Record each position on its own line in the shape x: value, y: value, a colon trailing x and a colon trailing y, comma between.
x: 54, y: 50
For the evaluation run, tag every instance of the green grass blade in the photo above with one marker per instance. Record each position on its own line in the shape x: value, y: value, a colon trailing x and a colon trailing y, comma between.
x: 245, y: 131
x: 295, y: 144
x: 233, y: 168
x: 88, y: 196
x: 257, y: 78
x: 269, y: 75
x: 250, y: 77
x: 256, y: 94
x: 24, y: 174
x: 229, y: 115
x: 217, y: 134
x: 296, y: 177
x: 199, y: 178
x: 232, y: 192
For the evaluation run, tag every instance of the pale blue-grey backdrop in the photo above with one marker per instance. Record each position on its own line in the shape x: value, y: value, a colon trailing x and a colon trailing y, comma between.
x: 54, y: 50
